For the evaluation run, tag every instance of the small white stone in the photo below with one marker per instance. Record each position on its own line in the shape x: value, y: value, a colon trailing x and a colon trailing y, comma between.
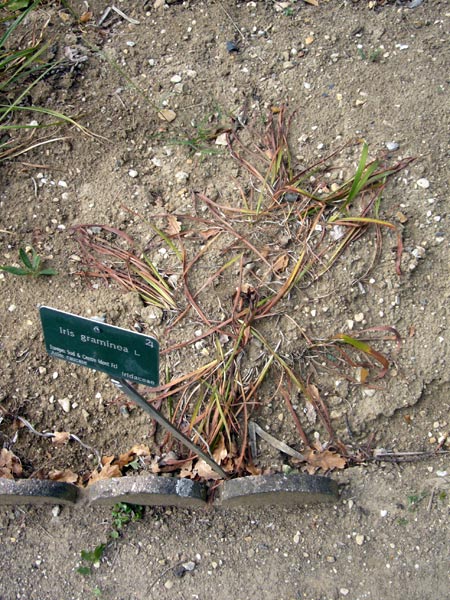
x: 12, y: 307
x: 175, y: 79
x: 56, y: 510
x: 306, y: 85
x: 383, y: 513
x: 131, y: 44
x: 181, y: 176
x: 55, y: 375
x: 392, y: 146
x: 132, y: 173
x: 369, y: 392
x: 350, y: 323
x: 191, y: 73
x: 359, y: 539
x: 297, y: 537
x: 62, y: 183
x: 189, y: 566
x: 221, y: 140
x: 418, y: 252
x: 343, y: 591
x: 168, y: 585
x: 64, y: 404
x: 42, y: 370
x: 359, y: 317
x: 423, y: 183
x: 157, y: 162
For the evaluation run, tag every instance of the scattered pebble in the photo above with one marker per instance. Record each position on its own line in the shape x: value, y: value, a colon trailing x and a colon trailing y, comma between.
x: 343, y: 591
x: 419, y: 252
x: 383, y: 513
x: 423, y: 183
x: 64, y: 404
x: 42, y: 370
x: 181, y: 176
x: 55, y: 375
x: 168, y: 584
x: 221, y: 140
x: 189, y: 566
x: 12, y: 307
x: 132, y: 173
x: 401, y: 217
x: 392, y: 146
x: 359, y: 317
x: 167, y: 115
x: 56, y: 510
x: 330, y: 559
x: 359, y: 539
x: 231, y: 47
x: 176, y: 79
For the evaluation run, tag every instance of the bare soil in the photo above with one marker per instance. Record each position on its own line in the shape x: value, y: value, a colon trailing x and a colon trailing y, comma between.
x: 373, y: 71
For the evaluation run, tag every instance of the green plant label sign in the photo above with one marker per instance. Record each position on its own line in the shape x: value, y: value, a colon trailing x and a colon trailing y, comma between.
x: 121, y: 353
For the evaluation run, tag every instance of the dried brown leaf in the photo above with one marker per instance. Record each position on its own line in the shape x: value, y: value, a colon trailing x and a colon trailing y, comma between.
x: 326, y: 460
x: 186, y: 470
x: 86, y: 17
x: 108, y: 470
x: 10, y: 465
x: 209, y: 233
x: 281, y: 263
x: 203, y: 470
x: 313, y: 2
x: 60, y: 438
x: 220, y: 451
x: 127, y: 457
x: 67, y: 476
x: 174, y: 226
x: 250, y: 468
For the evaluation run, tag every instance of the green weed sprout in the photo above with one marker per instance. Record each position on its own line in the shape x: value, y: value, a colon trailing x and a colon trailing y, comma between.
x: 92, y: 558
x: 32, y: 265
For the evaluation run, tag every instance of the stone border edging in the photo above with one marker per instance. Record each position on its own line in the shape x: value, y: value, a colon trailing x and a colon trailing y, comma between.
x: 254, y: 491
x: 277, y: 490
x: 37, y: 491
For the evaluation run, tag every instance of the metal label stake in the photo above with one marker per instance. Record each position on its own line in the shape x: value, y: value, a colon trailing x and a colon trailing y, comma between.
x: 127, y: 389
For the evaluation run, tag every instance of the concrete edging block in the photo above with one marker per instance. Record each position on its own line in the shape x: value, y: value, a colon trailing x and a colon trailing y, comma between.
x: 147, y: 491
x: 37, y: 491
x: 277, y: 490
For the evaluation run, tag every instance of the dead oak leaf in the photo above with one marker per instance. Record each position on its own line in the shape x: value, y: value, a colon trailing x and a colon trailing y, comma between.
x: 203, y: 470
x: 108, y: 471
x: 66, y: 476
x: 128, y: 457
x: 325, y: 460
x: 10, y: 465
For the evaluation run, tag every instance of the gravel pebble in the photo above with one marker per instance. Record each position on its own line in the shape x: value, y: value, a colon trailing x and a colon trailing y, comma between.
x: 423, y: 183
